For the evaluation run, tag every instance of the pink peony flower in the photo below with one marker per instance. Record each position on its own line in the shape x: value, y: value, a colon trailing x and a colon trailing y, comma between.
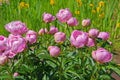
x: 16, y: 27
x: 53, y: 30
x: 93, y: 33
x: 47, y: 18
x: 90, y: 42
x: 78, y: 38
x: 9, y: 53
x: 59, y: 37
x: 72, y: 22
x: 31, y: 36
x: 15, y: 74
x: 42, y: 31
x: 54, y: 51
x: 3, y: 59
x: 15, y: 43
x: 86, y: 22
x: 104, y: 35
x: 101, y: 55
x: 63, y: 15
x: 2, y: 43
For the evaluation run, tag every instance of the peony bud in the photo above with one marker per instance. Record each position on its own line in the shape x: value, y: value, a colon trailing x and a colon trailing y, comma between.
x: 47, y: 18
x: 53, y: 30
x: 104, y: 35
x: 72, y: 22
x: 31, y: 36
x: 101, y: 55
x: 59, y: 37
x: 15, y: 74
x: 93, y: 33
x: 54, y: 51
x: 86, y: 22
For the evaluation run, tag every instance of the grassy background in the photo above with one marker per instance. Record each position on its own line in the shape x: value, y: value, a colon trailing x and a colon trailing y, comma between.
x: 105, y: 19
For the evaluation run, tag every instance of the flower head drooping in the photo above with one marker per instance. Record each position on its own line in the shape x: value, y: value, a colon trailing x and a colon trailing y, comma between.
x: 101, y: 55
x: 54, y: 51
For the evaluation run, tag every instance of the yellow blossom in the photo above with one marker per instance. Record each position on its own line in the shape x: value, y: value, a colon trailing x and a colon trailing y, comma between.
x: 118, y: 25
x: 52, y: 2
x: 23, y: 5
x: 93, y: 11
x: 102, y: 15
x: 91, y: 5
x: 101, y: 3
x: 79, y: 2
x: 98, y: 9
x: 77, y: 12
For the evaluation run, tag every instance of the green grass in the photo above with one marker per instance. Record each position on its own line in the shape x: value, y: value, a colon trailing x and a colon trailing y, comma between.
x: 32, y: 16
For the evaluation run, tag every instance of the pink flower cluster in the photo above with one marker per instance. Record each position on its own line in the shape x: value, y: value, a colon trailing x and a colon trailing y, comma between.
x: 15, y: 43
x: 78, y: 38
x: 59, y: 37
x: 64, y: 16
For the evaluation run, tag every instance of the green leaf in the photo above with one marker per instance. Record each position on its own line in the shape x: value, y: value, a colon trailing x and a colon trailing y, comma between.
x: 44, y: 56
x: 115, y: 69
x: 105, y: 77
x: 74, y: 73
x: 18, y: 62
x: 19, y: 78
x: 4, y: 77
